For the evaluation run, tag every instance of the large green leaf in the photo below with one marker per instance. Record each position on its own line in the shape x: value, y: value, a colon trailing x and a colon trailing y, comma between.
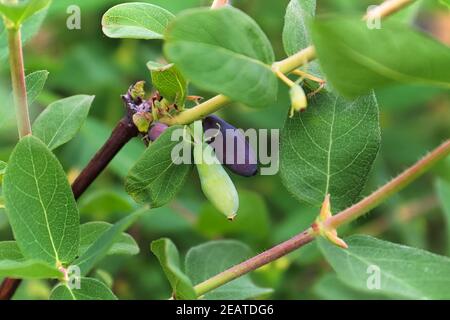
x: 155, y: 179
x: 9, y: 250
x: 330, y: 148
x: 40, y: 204
x: 102, y: 246
x: 35, y: 83
x: 90, y: 232
x: 169, y: 258
x: 223, y: 51
x: 136, y: 21
x: 169, y: 82
x: 356, y: 58
x: 296, y: 33
x: 61, y: 120
x: 404, y: 272
x: 90, y: 289
x: 13, y: 264
x: 211, y: 258
x: 17, y: 13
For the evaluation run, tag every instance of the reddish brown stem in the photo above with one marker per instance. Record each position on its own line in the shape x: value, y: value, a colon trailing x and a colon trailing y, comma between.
x: 8, y: 288
x: 121, y: 135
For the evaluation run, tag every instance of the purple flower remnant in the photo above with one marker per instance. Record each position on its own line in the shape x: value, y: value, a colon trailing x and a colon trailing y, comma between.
x: 135, y: 101
x: 242, y: 160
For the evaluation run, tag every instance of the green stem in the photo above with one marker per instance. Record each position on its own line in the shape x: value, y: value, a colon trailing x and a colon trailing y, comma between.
x: 18, y: 81
x: 198, y: 112
x: 336, y: 221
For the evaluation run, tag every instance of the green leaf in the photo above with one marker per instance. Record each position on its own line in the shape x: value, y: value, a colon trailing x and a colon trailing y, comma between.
x: 211, y: 258
x: 155, y: 179
x: 35, y: 83
x: 169, y: 258
x: 13, y: 264
x: 223, y: 51
x: 169, y: 82
x: 443, y: 192
x: 28, y: 269
x: 9, y: 250
x: 61, y: 120
x: 356, y: 58
x: 90, y: 232
x: 295, y: 33
x: 102, y: 246
x: 404, y: 272
x: 40, y: 204
x: 17, y: 13
x: 90, y: 289
x: 136, y: 21
x: 329, y: 149
x: 252, y: 224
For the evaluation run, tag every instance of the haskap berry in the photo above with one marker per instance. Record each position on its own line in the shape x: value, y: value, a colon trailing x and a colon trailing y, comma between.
x: 248, y: 165
x: 216, y: 184
x: 156, y: 130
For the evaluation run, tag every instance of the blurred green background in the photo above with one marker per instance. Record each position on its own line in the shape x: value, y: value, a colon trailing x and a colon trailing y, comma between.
x: 413, y: 119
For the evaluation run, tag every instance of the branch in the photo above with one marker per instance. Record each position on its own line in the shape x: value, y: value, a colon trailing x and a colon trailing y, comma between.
x: 287, y: 65
x: 120, y: 136
x: 336, y: 221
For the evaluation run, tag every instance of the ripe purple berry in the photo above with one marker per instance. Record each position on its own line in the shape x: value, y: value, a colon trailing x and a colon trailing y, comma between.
x: 156, y: 130
x: 241, y: 161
